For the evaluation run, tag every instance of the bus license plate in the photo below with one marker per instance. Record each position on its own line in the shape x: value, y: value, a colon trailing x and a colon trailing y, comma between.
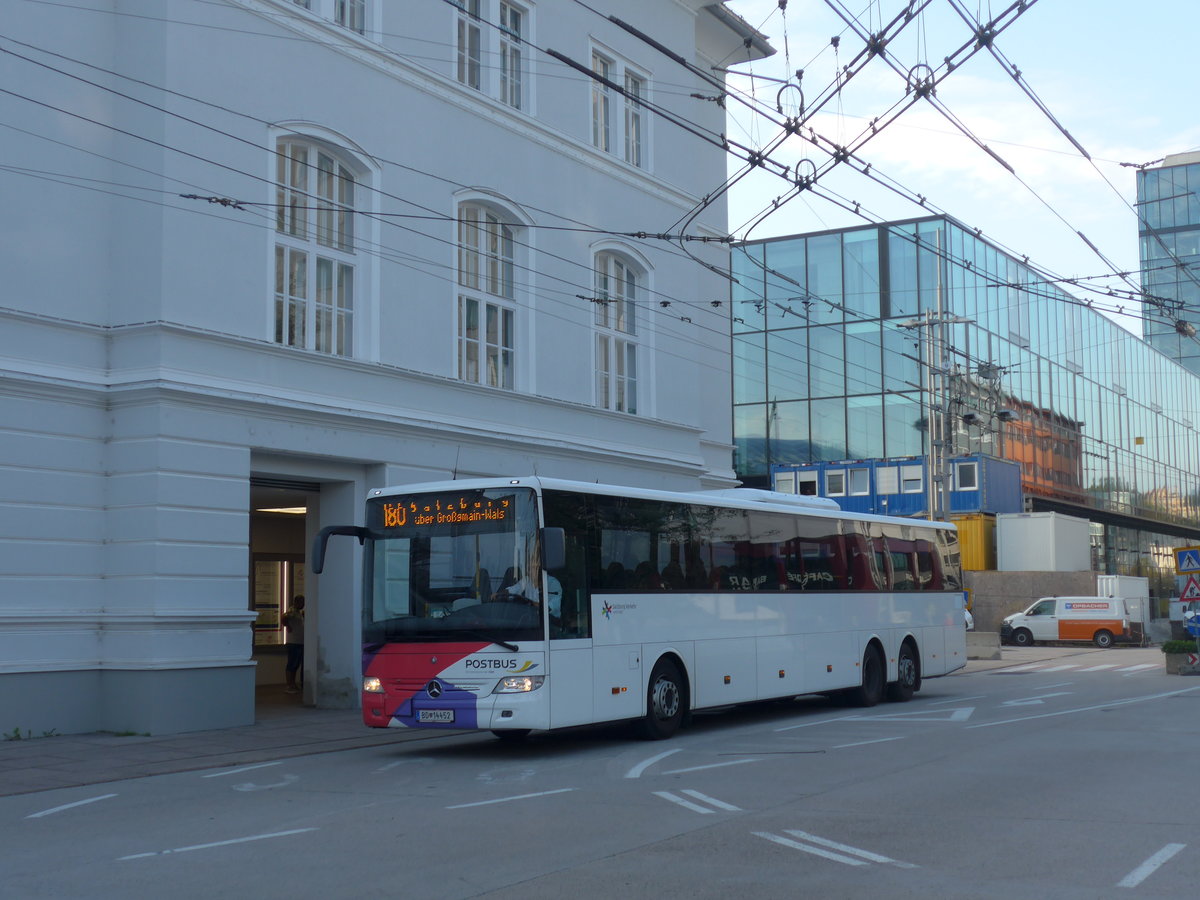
x: 435, y: 715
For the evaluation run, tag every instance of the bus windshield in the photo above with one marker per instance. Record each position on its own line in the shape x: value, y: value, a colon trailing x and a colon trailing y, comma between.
x: 456, y: 566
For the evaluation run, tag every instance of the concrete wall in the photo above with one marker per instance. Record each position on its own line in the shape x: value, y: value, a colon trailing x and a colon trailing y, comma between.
x: 998, y: 594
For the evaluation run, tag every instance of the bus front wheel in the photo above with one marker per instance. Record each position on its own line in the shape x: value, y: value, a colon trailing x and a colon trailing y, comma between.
x: 665, y: 702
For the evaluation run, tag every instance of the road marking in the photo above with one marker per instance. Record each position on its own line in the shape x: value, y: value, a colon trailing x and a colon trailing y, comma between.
x: 959, y: 700
x: 811, y: 724
x: 641, y: 767
x: 242, y: 769
x: 1150, y: 866
x: 796, y: 845
x: 846, y: 856
x: 1138, y: 668
x: 510, y: 799
x: 696, y: 807
x: 248, y: 786
x: 1062, y: 668
x: 1099, y: 667
x: 1034, y: 701
x: 50, y: 812
x: 864, y: 743
x: 735, y: 762
x: 961, y: 714
x: 1018, y: 669
x: 1067, y: 712
x: 244, y: 840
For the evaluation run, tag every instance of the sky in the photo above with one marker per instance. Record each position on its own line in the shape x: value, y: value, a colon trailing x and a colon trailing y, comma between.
x: 1118, y: 76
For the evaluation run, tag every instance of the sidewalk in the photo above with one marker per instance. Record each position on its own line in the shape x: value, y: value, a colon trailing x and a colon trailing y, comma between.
x: 283, y: 729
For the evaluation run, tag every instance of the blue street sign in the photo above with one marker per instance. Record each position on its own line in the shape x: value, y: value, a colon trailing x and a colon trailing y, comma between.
x: 1187, y: 560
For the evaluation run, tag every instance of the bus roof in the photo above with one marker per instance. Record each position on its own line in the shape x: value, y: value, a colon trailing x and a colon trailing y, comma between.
x: 737, y: 498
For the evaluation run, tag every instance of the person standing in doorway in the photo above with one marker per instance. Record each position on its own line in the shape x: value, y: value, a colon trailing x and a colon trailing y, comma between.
x: 294, y: 621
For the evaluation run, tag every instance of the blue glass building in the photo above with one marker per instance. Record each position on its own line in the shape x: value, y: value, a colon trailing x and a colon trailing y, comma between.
x: 1169, y: 234
x: 830, y: 363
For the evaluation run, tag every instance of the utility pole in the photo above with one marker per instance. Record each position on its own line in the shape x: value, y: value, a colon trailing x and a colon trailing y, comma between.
x: 936, y: 380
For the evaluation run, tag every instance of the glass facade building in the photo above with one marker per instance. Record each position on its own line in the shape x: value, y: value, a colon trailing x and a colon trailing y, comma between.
x: 1169, y: 233
x: 831, y: 361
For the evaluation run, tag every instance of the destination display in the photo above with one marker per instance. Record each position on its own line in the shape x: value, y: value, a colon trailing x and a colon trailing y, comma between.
x: 433, y: 513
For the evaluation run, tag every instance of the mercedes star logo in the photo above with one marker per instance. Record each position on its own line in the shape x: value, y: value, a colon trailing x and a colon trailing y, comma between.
x: 434, y: 689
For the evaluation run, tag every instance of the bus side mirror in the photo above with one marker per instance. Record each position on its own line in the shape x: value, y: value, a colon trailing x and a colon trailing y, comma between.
x: 554, y: 548
x: 322, y: 539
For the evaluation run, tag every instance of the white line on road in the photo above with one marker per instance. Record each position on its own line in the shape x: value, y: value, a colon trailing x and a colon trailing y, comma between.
x: 510, y: 799
x: 834, y: 845
x: 864, y: 743
x: 1138, y: 668
x: 1028, y: 701
x: 1150, y: 866
x: 958, y: 700
x: 49, y: 812
x: 1062, y: 668
x: 1099, y: 667
x: 1067, y: 712
x: 686, y: 804
x: 641, y: 767
x: 735, y: 762
x: 242, y: 769
x: 244, y: 840
x: 720, y: 804
x: 816, y: 851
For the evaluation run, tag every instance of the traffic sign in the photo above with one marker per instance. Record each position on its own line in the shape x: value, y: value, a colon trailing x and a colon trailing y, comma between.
x: 1191, y: 590
x: 1187, y: 560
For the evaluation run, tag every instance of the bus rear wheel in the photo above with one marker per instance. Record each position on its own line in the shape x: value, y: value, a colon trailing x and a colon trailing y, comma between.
x: 901, y: 690
x: 665, y: 702
x: 870, y: 692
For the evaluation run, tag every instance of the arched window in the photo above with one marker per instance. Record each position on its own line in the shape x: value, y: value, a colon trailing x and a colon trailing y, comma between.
x: 486, y: 314
x: 315, y: 260
x: 616, y: 331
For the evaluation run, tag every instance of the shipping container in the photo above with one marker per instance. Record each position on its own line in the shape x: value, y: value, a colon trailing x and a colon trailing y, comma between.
x: 1043, y: 542
x: 976, y: 541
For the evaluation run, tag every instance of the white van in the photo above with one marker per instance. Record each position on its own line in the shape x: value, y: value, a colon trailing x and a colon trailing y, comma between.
x: 1102, y: 620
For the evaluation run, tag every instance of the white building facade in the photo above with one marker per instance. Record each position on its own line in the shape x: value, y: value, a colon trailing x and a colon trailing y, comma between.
x: 264, y: 254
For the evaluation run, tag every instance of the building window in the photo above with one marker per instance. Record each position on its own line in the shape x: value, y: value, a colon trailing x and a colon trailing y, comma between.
x: 512, y: 21
x: 911, y: 480
x: 966, y: 476
x: 314, y: 249
x: 498, y: 31
x: 601, y: 104
x: 631, y: 139
x: 486, y: 318
x: 835, y: 483
x: 860, y: 482
x: 468, y: 43
x: 351, y: 14
x: 635, y: 88
x: 616, y: 330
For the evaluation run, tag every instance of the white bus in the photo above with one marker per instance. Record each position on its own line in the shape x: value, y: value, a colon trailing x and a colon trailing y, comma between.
x: 528, y: 604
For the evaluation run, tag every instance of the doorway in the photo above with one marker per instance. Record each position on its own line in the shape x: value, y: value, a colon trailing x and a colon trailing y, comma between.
x: 278, y: 571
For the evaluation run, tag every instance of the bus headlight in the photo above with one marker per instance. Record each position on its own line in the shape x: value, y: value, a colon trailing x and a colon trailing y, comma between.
x: 372, y: 685
x: 519, y: 684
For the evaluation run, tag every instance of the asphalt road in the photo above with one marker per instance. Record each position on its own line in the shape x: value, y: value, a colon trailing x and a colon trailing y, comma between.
x: 1068, y: 777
